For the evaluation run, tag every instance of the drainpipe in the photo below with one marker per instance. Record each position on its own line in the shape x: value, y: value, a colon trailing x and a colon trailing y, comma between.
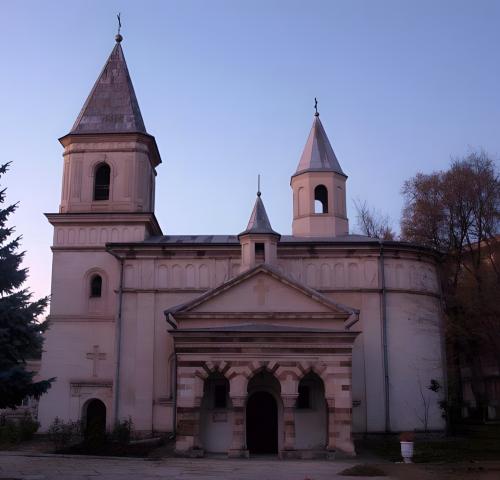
x: 171, y: 321
x: 116, y: 398
x: 383, y: 312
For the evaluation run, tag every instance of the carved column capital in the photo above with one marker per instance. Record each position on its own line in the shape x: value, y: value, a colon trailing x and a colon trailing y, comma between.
x: 238, y: 401
x: 289, y: 401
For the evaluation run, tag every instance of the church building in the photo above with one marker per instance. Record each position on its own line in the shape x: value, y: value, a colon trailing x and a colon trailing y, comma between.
x: 246, y: 343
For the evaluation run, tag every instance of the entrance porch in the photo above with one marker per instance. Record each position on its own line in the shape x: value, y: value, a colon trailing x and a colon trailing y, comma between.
x: 262, y: 389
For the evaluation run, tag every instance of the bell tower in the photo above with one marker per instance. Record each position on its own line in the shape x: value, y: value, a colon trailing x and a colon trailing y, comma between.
x: 319, y: 189
x: 109, y: 158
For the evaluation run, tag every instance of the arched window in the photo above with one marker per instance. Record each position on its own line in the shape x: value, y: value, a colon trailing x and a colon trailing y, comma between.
x: 101, y: 183
x: 320, y: 199
x: 96, y: 286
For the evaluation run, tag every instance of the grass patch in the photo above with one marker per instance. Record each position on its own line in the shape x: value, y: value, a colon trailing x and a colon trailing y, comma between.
x: 478, y: 444
x: 363, y: 471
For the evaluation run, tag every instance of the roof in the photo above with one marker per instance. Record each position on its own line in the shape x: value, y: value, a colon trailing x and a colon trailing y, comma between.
x: 233, y: 239
x: 259, y: 221
x: 260, y: 328
x: 111, y: 106
x: 318, y: 154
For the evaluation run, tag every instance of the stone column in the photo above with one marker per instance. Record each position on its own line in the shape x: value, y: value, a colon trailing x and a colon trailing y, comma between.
x: 289, y: 402
x: 331, y: 443
x: 189, y: 396
x: 340, y: 426
x: 238, y: 447
x: 187, y: 440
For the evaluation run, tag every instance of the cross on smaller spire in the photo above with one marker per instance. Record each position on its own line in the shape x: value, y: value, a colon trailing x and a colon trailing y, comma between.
x: 316, y: 107
x: 118, y: 36
x: 95, y: 356
x: 258, y: 185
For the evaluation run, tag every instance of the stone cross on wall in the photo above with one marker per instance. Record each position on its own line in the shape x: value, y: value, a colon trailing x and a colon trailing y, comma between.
x: 261, y: 289
x: 95, y: 356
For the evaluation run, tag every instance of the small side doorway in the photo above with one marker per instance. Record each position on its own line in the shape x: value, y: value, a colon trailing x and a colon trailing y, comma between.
x: 95, y: 419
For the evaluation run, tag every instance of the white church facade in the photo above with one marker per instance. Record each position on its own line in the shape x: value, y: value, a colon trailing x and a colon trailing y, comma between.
x: 242, y: 343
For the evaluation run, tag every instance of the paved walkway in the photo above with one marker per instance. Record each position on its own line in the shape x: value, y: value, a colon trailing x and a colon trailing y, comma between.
x: 49, y: 467
x: 23, y: 466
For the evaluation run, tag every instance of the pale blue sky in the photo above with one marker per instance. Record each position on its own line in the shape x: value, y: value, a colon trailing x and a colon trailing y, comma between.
x: 227, y: 88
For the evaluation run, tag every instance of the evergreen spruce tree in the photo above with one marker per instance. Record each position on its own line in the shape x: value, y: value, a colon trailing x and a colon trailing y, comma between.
x: 20, y: 331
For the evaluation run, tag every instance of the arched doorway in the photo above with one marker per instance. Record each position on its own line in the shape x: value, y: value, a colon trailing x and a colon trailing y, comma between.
x: 95, y: 419
x: 262, y: 423
x: 264, y: 414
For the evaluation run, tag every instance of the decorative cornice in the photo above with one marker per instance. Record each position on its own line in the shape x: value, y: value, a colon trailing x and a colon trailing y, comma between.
x: 81, y: 318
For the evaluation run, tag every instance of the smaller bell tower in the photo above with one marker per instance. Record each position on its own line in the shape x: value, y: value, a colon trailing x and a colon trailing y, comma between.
x: 319, y: 189
x: 259, y: 242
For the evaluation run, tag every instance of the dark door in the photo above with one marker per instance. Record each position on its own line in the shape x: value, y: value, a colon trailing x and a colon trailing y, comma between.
x: 96, y: 419
x: 262, y: 423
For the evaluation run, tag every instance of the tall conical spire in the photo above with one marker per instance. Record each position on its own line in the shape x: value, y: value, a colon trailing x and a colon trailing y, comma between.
x: 259, y: 221
x: 112, y: 106
x: 318, y: 154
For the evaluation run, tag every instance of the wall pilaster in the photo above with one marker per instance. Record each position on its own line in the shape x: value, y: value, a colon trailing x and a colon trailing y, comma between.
x: 289, y: 402
x: 238, y: 447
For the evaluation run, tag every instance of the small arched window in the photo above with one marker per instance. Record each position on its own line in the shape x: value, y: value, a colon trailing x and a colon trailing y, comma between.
x: 320, y: 199
x: 96, y: 286
x: 101, y: 183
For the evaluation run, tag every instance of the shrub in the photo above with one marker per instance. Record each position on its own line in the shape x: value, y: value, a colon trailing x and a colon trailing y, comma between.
x: 63, y: 434
x: 122, y: 431
x: 28, y: 426
x: 95, y: 436
x: 14, y: 431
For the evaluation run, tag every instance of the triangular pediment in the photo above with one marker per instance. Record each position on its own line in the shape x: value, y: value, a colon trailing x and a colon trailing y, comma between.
x: 263, y: 289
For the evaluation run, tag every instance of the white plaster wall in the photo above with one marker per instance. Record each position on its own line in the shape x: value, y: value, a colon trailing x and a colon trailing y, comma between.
x: 415, y: 357
x: 154, y: 284
x: 77, y: 323
x: 65, y: 357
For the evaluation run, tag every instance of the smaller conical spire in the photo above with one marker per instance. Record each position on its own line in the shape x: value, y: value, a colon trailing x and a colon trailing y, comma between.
x: 318, y: 154
x: 259, y: 221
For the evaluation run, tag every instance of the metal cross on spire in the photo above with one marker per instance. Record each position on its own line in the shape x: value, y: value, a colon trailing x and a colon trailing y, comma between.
x: 316, y: 107
x: 258, y: 185
x: 118, y: 36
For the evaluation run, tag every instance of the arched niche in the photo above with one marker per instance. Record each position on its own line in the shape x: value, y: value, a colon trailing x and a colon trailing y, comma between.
x: 216, y: 416
x: 311, y: 414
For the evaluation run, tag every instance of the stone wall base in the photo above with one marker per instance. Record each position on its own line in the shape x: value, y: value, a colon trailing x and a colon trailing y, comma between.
x: 307, y: 454
x: 238, y: 454
x: 191, y: 453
